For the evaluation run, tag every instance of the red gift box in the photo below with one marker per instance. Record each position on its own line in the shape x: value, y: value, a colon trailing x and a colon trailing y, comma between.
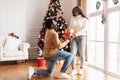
x: 67, y: 34
x: 41, y: 62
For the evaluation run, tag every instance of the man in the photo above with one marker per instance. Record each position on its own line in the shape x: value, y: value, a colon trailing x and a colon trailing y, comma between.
x: 51, y: 53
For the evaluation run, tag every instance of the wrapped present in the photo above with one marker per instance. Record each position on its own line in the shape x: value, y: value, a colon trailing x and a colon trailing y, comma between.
x: 67, y: 33
x: 41, y: 62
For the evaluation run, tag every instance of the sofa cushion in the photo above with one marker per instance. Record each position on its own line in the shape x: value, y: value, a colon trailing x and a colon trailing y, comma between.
x: 12, y: 53
x: 11, y: 43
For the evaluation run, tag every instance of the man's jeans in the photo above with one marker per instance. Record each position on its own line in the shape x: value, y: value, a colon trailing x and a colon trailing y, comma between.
x: 78, y: 43
x: 51, y: 63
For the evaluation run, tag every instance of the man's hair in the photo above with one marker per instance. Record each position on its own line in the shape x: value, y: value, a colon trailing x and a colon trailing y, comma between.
x: 54, y: 0
x: 48, y: 23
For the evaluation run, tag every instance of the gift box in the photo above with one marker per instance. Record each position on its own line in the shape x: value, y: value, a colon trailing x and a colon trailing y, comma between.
x: 41, y: 62
x: 68, y: 33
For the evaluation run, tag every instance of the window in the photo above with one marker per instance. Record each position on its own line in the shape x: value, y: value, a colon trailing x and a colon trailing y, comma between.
x: 114, y: 42
x: 96, y: 44
x: 92, y: 7
x: 104, y: 39
x: 114, y: 26
x: 112, y: 4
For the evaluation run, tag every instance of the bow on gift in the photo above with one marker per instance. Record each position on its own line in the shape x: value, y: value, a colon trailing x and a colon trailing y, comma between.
x: 67, y: 33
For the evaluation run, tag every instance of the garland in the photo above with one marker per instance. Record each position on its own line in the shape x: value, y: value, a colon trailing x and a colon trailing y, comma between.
x: 98, y: 5
x: 103, y: 14
x: 103, y: 19
x: 115, y: 1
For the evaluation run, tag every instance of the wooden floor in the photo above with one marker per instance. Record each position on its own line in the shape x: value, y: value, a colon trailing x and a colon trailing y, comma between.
x: 13, y: 71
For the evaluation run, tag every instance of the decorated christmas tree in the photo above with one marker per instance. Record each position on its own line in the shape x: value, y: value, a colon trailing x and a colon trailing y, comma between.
x: 54, y: 12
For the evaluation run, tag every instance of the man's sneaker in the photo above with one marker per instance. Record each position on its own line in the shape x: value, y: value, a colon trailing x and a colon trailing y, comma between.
x: 81, y: 72
x: 74, y: 72
x: 63, y: 75
x: 30, y: 72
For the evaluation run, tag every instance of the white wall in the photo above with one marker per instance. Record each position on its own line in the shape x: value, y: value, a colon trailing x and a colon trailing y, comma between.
x: 12, y: 17
x: 35, y: 12
x: 25, y: 17
x: 67, y: 6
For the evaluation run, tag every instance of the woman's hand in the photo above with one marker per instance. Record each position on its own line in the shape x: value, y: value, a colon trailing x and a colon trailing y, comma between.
x: 73, y: 35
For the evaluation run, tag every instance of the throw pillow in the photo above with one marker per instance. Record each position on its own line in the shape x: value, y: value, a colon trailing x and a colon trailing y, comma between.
x: 11, y: 43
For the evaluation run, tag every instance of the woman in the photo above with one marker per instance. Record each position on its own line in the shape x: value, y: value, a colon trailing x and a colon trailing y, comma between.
x: 51, y: 53
x: 78, y: 25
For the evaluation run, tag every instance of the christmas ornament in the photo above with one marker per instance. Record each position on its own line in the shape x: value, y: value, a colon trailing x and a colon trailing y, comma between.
x: 60, y: 27
x: 62, y: 31
x: 66, y: 46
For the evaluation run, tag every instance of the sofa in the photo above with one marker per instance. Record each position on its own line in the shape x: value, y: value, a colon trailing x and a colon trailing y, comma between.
x: 13, y: 49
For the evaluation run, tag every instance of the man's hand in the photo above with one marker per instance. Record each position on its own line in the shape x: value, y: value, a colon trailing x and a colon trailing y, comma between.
x: 62, y: 39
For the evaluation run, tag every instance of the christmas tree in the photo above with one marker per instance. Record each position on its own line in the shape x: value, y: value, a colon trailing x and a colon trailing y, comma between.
x: 54, y: 12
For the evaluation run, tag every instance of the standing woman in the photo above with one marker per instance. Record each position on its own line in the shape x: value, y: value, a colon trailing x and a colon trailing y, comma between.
x: 78, y: 24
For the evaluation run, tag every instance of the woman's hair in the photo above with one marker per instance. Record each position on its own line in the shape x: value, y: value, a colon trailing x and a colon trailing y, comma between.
x: 80, y: 12
x: 48, y: 23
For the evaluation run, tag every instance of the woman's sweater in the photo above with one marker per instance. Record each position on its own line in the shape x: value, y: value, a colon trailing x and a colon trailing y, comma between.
x: 52, y: 43
x: 79, y: 25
